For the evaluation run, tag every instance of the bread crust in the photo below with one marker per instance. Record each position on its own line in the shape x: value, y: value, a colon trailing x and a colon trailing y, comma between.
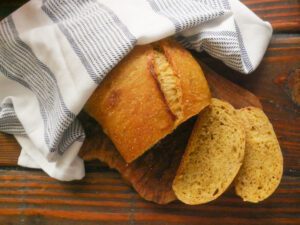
x: 132, y: 107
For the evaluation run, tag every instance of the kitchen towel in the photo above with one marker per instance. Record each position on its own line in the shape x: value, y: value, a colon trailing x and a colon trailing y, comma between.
x: 54, y: 53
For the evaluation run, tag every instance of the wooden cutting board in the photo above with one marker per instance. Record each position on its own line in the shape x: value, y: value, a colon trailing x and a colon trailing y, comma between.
x: 152, y: 174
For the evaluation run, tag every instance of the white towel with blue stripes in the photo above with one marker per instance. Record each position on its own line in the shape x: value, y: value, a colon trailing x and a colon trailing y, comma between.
x: 54, y: 53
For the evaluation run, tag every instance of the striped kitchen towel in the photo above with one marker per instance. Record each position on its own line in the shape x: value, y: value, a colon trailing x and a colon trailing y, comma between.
x: 54, y: 53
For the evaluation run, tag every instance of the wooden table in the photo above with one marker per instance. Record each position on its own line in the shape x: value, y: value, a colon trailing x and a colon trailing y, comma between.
x: 31, y: 197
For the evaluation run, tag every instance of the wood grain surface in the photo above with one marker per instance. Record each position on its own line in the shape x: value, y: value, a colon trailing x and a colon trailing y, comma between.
x: 29, y: 197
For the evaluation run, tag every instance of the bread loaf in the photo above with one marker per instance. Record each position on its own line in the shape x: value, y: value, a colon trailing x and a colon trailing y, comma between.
x: 263, y: 163
x: 213, y: 156
x: 153, y: 90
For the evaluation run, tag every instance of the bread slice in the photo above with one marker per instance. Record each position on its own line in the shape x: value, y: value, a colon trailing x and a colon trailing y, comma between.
x: 213, y: 156
x: 145, y: 97
x: 262, y: 169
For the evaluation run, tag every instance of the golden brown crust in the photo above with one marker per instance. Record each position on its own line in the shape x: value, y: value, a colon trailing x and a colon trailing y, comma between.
x: 135, y: 111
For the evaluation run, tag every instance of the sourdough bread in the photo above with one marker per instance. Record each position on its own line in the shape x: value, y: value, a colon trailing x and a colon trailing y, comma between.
x: 151, y: 91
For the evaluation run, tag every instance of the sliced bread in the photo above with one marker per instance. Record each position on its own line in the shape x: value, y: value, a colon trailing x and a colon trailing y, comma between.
x: 213, y: 156
x: 262, y: 168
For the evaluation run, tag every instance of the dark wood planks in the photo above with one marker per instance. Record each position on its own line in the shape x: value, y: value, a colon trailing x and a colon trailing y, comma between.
x: 30, y: 197
x: 9, y: 150
x: 284, y: 15
x: 103, y: 197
